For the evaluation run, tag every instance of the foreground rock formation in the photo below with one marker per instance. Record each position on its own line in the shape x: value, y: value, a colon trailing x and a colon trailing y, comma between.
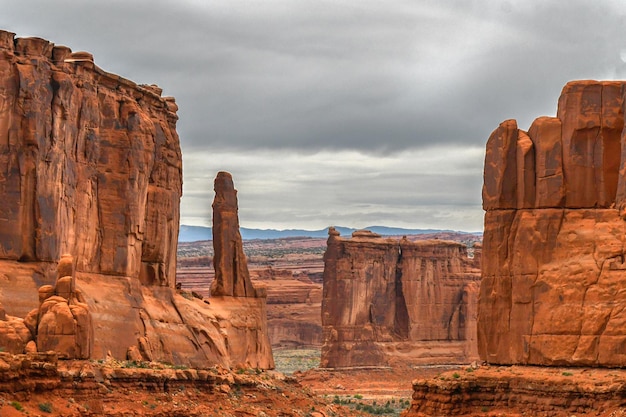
x: 91, y: 168
x: 40, y: 384
x: 388, y: 300
x: 555, y: 235
x: 521, y: 391
x: 553, y: 267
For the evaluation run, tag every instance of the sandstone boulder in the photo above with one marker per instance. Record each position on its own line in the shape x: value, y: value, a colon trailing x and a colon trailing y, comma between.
x: 14, y: 335
x: 62, y: 323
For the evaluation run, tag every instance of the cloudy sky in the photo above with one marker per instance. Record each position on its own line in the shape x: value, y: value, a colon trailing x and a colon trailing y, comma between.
x: 331, y: 112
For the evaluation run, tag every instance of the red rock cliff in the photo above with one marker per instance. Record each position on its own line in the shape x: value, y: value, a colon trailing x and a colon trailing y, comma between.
x: 553, y: 261
x: 387, y: 299
x: 90, y: 166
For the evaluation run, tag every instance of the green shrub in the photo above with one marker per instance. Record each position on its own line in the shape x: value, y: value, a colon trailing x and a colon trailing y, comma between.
x: 135, y: 364
x: 45, y: 407
x: 16, y: 405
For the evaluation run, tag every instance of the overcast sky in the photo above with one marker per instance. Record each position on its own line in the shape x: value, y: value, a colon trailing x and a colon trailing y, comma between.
x: 350, y: 113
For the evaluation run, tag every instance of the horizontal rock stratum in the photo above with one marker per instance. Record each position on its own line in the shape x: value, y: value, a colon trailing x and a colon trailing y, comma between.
x: 553, y: 278
x: 91, y: 167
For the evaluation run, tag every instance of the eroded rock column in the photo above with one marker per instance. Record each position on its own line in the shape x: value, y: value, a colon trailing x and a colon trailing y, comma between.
x: 232, y: 277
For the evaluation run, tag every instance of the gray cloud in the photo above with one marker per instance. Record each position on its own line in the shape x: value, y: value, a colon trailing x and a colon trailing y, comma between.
x: 295, y: 78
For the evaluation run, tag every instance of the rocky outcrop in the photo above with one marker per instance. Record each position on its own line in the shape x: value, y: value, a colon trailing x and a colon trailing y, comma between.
x: 232, y: 286
x: 232, y: 277
x: 389, y: 300
x: 15, y: 337
x: 520, y: 391
x: 40, y: 384
x: 62, y: 323
x: 554, y: 235
x: 91, y: 167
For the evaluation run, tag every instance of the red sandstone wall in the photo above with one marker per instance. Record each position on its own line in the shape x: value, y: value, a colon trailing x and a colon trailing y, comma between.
x: 91, y: 165
x: 553, y: 261
x: 388, y: 300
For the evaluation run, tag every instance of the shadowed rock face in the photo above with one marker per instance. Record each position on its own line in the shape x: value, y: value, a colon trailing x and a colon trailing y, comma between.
x: 388, y: 300
x: 90, y: 166
x: 232, y: 277
x: 554, y: 239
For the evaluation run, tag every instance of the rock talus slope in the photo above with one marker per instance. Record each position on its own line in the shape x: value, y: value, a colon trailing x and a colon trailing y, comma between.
x: 554, y: 240
x: 388, y: 300
x: 90, y: 166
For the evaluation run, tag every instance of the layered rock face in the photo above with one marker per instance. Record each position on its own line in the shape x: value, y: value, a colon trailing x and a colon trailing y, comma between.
x: 90, y: 166
x: 388, y: 300
x: 293, y: 311
x: 554, y: 239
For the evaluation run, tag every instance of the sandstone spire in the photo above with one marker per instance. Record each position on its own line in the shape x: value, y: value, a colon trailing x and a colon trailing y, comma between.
x: 231, y: 268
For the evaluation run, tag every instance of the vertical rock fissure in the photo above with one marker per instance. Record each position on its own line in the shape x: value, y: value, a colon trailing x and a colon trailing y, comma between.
x: 401, y: 319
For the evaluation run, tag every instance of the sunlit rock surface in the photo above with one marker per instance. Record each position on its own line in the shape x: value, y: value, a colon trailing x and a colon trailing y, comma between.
x: 90, y: 166
x: 552, y: 290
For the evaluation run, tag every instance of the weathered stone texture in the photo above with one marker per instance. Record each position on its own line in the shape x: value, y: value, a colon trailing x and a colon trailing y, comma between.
x: 90, y: 166
x: 62, y: 323
x: 386, y: 297
x: 553, y: 261
x: 232, y: 277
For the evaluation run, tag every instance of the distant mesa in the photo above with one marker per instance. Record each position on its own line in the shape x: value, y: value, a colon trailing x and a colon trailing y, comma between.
x: 390, y: 301
x: 197, y: 233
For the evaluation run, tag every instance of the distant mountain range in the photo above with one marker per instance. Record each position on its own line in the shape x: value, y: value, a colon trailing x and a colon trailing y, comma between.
x: 196, y: 233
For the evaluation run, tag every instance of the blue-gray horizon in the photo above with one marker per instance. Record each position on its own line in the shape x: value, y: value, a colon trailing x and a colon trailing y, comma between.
x: 341, y: 112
